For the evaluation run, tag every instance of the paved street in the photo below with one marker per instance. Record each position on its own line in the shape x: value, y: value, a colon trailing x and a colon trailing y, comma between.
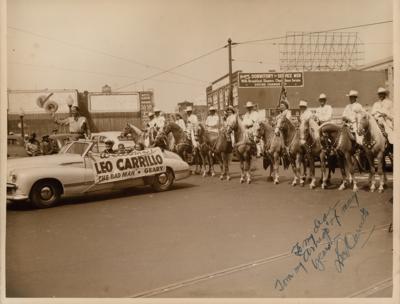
x: 205, y: 238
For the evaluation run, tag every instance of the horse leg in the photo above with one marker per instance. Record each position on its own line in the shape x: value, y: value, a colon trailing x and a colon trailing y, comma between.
x: 371, y: 175
x: 381, y: 173
x: 350, y: 166
x: 296, y: 177
x: 222, y: 157
x: 276, y: 168
x: 248, y: 165
x: 226, y: 165
x: 343, y: 172
x: 301, y: 164
x: 242, y: 177
x: 324, y: 176
x: 312, y: 172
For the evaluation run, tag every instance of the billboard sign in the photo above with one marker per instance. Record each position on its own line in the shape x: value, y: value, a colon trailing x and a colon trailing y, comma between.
x: 27, y: 101
x: 271, y: 80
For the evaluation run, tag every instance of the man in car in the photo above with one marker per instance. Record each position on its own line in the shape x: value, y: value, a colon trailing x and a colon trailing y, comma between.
x: 78, y: 125
x: 109, y: 146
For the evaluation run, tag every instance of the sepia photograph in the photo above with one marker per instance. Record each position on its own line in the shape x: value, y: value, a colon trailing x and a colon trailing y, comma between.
x: 199, y: 149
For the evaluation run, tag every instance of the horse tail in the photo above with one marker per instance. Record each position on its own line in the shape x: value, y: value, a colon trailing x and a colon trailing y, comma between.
x: 332, y: 162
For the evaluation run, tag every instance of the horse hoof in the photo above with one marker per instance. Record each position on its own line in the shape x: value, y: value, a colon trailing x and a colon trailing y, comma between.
x: 221, y: 177
x: 323, y: 186
x: 204, y: 174
x: 276, y: 182
x: 228, y: 178
x: 355, y: 188
x: 269, y: 179
x: 312, y: 186
x: 380, y: 190
x: 249, y: 181
x: 213, y: 174
x: 342, y: 187
x: 294, y: 183
x: 302, y: 184
x: 241, y: 180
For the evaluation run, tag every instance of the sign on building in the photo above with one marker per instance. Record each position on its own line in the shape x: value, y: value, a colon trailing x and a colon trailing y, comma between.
x: 114, y: 102
x: 28, y: 101
x: 146, y: 106
x: 253, y: 80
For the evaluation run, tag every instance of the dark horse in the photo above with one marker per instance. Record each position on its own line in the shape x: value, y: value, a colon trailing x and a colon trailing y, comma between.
x: 213, y: 146
x: 182, y: 144
x: 343, y: 146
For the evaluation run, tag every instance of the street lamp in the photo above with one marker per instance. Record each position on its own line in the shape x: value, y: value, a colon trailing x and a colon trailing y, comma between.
x: 21, y: 117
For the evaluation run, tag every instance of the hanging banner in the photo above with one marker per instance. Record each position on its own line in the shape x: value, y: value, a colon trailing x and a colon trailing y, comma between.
x: 253, y: 80
x: 108, y: 168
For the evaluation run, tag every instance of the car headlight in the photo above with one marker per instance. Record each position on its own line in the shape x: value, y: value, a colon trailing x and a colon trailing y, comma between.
x: 12, y: 177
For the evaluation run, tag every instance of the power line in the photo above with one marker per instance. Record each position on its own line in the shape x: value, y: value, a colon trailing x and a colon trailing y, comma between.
x: 98, y: 73
x: 101, y: 53
x: 315, y: 32
x: 173, y: 68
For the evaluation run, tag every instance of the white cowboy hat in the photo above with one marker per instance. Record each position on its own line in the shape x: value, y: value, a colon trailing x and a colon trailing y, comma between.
x: 249, y: 104
x: 382, y: 90
x: 156, y: 109
x: 189, y: 108
x: 212, y: 108
x: 322, y: 96
x: 352, y: 93
x: 303, y: 103
x: 151, y: 114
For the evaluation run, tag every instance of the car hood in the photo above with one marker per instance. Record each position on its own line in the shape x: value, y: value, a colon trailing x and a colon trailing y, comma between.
x: 43, y: 161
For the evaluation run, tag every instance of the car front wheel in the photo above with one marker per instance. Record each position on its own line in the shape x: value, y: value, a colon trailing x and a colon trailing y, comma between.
x: 163, y: 181
x: 45, y: 194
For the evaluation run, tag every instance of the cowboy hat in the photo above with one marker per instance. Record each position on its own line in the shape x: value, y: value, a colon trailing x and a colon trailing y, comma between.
x: 322, y: 96
x: 352, y: 93
x: 151, y: 114
x: 212, y: 108
x: 382, y: 91
x: 156, y: 110
x: 303, y: 103
x: 230, y: 108
x: 50, y: 106
x: 249, y: 104
x: 189, y: 108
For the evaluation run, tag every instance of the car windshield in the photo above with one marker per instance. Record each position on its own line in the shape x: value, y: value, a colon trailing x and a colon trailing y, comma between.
x: 75, y: 148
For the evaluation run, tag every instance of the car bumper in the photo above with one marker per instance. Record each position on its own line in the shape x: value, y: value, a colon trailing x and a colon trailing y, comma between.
x: 13, y: 194
x: 181, y: 174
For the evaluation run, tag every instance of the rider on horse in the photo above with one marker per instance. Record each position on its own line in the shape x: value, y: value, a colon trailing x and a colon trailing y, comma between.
x: 323, y: 114
x: 250, y: 118
x: 305, y: 115
x: 212, y: 121
x: 159, y: 119
x: 382, y: 111
x: 349, y: 114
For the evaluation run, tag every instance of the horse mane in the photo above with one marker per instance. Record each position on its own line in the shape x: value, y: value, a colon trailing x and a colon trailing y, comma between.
x: 375, y: 130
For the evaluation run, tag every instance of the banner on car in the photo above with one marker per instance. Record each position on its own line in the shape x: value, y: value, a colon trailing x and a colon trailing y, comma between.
x: 110, y: 168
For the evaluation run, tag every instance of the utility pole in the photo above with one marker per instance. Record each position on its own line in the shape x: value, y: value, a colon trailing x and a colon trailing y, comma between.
x: 230, y: 99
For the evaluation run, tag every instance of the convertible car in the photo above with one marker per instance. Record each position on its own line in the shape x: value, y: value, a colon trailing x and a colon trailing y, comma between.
x: 43, y: 180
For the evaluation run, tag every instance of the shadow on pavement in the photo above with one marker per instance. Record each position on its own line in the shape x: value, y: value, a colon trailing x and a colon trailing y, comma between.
x: 93, y: 198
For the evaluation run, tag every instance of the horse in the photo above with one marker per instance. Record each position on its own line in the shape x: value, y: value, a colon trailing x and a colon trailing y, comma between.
x: 311, y: 143
x: 374, y: 144
x: 286, y: 142
x: 146, y: 138
x: 244, y: 146
x: 199, y: 148
x: 213, y: 146
x: 343, y: 145
x: 263, y: 134
x: 182, y: 144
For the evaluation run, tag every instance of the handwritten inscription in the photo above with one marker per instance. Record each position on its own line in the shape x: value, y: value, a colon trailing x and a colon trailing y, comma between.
x: 314, y: 249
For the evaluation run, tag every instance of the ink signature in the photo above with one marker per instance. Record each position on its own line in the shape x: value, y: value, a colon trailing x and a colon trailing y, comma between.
x: 314, y: 249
